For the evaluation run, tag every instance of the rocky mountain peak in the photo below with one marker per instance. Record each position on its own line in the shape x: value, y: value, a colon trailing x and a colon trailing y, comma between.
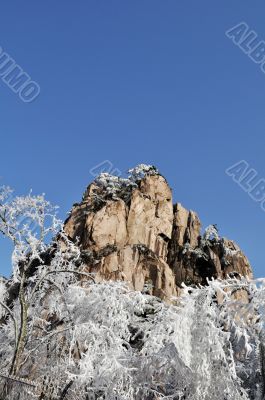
x: 128, y: 229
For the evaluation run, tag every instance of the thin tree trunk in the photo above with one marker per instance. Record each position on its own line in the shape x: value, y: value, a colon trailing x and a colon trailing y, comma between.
x: 23, y: 328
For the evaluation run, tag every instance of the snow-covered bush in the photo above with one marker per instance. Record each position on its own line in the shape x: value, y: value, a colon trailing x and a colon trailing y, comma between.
x: 132, y: 346
x: 140, y: 171
x: 116, y: 187
x: 119, y: 344
x: 211, y: 233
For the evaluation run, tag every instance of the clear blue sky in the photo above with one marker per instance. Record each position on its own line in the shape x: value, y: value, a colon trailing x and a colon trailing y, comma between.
x: 150, y: 81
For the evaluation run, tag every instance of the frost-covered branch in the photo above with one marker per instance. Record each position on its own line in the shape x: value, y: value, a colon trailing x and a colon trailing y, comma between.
x: 12, y: 317
x: 62, y: 271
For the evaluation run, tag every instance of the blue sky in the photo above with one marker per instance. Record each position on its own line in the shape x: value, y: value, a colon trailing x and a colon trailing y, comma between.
x: 137, y: 81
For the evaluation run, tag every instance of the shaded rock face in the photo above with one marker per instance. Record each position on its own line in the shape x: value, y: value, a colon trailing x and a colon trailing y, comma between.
x: 195, y: 258
x: 129, y: 230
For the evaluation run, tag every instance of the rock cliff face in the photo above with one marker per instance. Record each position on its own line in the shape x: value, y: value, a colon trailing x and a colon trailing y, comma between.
x: 128, y: 229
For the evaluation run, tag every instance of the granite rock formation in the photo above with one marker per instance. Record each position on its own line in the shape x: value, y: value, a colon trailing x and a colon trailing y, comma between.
x: 128, y: 229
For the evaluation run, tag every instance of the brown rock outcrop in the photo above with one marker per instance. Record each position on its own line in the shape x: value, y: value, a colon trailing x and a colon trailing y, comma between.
x: 186, y: 226
x: 151, y: 215
x: 195, y: 258
x: 129, y: 230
